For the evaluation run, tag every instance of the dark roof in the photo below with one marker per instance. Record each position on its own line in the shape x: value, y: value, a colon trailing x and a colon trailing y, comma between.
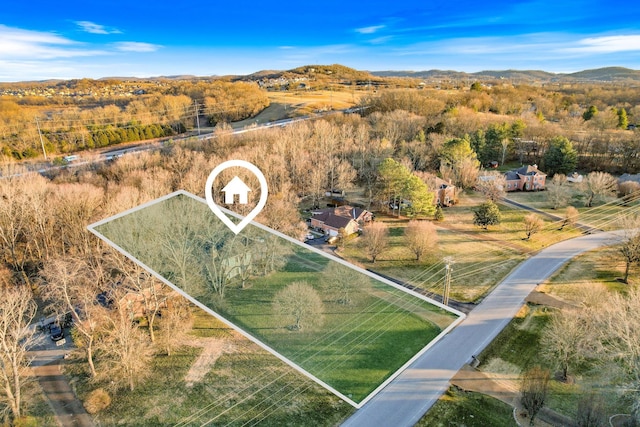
x: 529, y: 170
x: 336, y: 221
x: 512, y: 176
x: 441, y: 183
x: 345, y: 211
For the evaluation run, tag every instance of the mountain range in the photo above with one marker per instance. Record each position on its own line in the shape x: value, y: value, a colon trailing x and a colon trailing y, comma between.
x: 607, y: 74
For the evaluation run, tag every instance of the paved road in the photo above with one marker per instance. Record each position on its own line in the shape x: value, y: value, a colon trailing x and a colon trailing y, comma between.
x: 45, y: 366
x: 406, y: 399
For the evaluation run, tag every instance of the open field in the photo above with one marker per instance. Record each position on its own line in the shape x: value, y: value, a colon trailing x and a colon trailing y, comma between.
x: 602, y: 215
x: 301, y: 102
x: 362, y: 339
x: 483, y: 261
x: 461, y: 408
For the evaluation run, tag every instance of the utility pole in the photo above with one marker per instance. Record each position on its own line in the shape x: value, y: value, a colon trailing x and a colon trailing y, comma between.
x: 41, y: 140
x: 197, y: 117
x: 447, y: 280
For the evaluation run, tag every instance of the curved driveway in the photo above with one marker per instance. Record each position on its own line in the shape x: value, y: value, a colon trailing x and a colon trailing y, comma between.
x: 407, y: 398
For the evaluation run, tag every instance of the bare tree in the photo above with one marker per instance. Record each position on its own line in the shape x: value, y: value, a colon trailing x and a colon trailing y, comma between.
x: 375, y: 239
x: 421, y: 238
x: 467, y: 172
x: 125, y: 351
x: 630, y: 246
x: 534, y: 389
x: 174, y: 324
x: 71, y: 287
x: 570, y: 217
x: 558, y: 191
x: 300, y: 302
x: 342, y: 283
x: 591, y: 411
x: 619, y: 326
x: 532, y: 224
x: 151, y: 292
x: 492, y: 184
x: 17, y: 310
x: 598, y: 185
x: 629, y: 191
x: 566, y: 340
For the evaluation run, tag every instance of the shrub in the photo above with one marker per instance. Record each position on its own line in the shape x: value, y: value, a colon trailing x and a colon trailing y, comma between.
x: 96, y: 401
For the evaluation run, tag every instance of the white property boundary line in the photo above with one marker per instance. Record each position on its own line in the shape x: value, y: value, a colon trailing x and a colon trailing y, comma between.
x: 461, y: 316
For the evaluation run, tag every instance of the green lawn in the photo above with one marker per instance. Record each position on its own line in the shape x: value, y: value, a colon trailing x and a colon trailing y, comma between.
x: 603, y: 214
x: 354, y: 350
x: 468, y: 409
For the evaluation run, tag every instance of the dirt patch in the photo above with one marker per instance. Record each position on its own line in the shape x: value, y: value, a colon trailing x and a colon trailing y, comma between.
x: 212, y: 349
x: 541, y: 298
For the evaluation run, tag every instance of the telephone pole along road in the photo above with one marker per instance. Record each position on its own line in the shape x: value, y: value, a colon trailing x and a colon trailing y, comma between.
x: 408, y: 397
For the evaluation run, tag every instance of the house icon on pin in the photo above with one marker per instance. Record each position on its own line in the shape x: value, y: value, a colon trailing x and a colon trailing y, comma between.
x: 236, y: 186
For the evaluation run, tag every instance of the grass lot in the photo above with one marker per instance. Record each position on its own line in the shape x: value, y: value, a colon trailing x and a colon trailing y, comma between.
x: 248, y: 386
x: 356, y: 348
x: 301, y: 103
x: 469, y: 409
x: 603, y: 215
x: 510, y: 231
x: 484, y: 260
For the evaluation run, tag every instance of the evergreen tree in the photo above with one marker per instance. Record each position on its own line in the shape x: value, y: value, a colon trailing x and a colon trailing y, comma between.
x: 623, y: 120
x: 560, y: 157
x: 439, y: 214
x: 487, y: 214
x: 591, y: 111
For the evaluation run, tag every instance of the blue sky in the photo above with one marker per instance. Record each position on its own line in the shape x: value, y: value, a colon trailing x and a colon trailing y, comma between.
x: 73, y: 39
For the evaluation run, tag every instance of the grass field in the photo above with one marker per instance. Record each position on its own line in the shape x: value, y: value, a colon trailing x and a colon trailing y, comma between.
x: 306, y: 102
x: 484, y: 261
x: 358, y: 346
x: 469, y: 409
x: 603, y: 215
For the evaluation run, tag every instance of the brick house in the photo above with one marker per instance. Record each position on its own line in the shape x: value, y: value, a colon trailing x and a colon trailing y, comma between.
x: 526, y: 178
x: 445, y: 193
x: 331, y: 220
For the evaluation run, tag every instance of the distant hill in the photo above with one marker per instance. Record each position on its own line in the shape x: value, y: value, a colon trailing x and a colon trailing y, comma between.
x: 608, y: 74
x: 320, y: 72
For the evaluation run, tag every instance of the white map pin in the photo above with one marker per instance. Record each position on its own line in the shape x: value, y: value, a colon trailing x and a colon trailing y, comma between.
x: 236, y: 228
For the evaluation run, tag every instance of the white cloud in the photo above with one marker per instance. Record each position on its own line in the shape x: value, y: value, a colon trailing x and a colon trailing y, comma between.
x: 381, y: 40
x: 136, y: 47
x: 606, y: 44
x: 93, y: 28
x: 27, y: 44
x: 369, y: 30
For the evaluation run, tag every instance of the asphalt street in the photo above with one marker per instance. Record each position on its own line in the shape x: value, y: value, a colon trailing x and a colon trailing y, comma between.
x: 406, y: 399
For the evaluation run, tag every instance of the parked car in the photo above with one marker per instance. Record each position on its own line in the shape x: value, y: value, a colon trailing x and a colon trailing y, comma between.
x: 309, y: 236
x: 56, y: 332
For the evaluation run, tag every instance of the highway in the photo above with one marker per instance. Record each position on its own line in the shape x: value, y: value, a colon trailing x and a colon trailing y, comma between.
x: 406, y: 399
